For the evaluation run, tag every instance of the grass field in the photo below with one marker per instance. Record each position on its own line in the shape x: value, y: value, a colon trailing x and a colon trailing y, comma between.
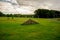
x: 47, y: 29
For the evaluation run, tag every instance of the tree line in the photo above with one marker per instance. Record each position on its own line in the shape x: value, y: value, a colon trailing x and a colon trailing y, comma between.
x: 15, y: 15
x: 39, y: 13
x: 45, y: 13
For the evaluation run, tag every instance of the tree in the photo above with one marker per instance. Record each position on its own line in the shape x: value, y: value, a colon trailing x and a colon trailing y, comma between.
x: 41, y: 13
x: 1, y: 14
x: 45, y: 13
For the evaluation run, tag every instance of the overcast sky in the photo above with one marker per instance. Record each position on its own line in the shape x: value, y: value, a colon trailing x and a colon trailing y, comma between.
x: 47, y: 4
x: 28, y: 6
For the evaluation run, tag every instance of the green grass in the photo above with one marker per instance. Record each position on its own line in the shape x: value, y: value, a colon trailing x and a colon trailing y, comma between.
x: 47, y: 29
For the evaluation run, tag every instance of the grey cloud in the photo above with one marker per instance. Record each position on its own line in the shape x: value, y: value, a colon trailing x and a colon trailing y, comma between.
x: 5, y: 0
x: 13, y: 2
x: 51, y: 4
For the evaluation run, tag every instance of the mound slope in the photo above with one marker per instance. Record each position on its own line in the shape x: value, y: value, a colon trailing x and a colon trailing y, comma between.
x: 30, y: 21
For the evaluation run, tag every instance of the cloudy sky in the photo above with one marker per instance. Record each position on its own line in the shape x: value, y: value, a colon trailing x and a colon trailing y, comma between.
x: 46, y: 4
x: 28, y: 6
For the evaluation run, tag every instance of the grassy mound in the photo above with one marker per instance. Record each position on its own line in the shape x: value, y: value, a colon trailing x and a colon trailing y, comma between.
x: 29, y: 22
